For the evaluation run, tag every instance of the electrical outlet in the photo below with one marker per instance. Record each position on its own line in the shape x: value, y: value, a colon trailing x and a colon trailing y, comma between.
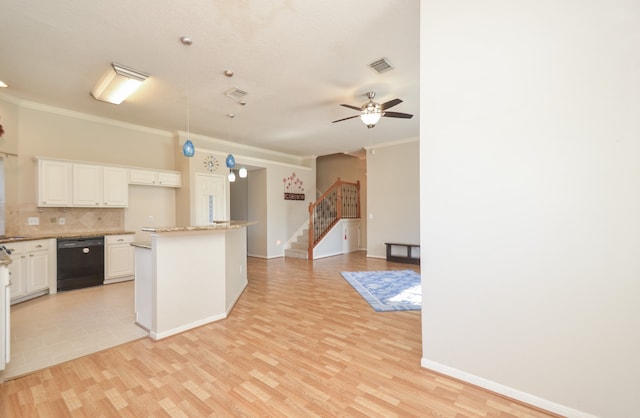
x: 33, y: 220
x: 61, y: 221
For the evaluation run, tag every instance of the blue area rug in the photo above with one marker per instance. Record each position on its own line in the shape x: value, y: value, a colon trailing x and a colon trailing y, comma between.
x: 392, y: 290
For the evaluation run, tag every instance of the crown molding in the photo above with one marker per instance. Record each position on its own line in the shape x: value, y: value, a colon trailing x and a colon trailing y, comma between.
x: 27, y: 104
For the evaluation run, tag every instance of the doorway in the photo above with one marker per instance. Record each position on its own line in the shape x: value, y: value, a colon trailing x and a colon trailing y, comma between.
x: 211, y: 198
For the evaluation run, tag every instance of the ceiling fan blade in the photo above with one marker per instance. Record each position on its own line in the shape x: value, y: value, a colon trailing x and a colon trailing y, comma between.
x: 351, y: 107
x: 350, y: 117
x: 390, y: 104
x: 397, y: 115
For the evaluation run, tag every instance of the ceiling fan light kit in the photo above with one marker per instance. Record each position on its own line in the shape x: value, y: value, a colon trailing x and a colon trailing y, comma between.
x: 371, y: 112
x: 117, y: 84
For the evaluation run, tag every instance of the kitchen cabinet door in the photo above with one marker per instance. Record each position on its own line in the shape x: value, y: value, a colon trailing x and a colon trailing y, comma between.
x: 115, y: 187
x: 87, y: 185
x: 54, y: 183
x: 169, y: 179
x: 37, y: 271
x: 142, y: 177
x: 119, y: 258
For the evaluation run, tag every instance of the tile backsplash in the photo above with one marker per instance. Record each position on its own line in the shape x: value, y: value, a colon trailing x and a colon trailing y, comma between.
x: 61, y: 220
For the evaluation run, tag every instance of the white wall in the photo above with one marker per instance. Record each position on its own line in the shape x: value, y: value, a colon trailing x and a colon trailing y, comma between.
x: 530, y: 199
x: 286, y: 216
x: 257, y: 234
x: 149, y: 206
x: 393, y: 196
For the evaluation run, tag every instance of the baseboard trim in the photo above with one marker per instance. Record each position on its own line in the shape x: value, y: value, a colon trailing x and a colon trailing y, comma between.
x: 504, y: 390
x: 164, y: 334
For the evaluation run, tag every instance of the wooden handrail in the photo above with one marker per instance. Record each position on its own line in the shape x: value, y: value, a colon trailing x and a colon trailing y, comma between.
x: 337, y: 189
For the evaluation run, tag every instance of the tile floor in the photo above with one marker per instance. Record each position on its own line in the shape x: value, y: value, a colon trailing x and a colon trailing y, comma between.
x: 56, y: 328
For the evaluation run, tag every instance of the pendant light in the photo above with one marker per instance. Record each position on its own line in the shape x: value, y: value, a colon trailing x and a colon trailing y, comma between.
x: 230, y: 161
x: 188, y: 150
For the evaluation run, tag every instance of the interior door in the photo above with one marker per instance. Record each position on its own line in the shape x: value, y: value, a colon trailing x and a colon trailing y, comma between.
x: 211, y: 198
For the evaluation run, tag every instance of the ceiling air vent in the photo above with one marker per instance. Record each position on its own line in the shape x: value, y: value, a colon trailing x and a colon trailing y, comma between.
x: 235, y: 93
x: 381, y: 65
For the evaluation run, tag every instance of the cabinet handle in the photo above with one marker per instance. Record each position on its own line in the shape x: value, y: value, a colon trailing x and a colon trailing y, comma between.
x: 38, y: 246
x: 30, y: 255
x: 120, y: 240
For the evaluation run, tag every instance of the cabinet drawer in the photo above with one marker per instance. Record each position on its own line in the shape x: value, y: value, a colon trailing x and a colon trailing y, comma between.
x: 118, y: 239
x: 27, y: 246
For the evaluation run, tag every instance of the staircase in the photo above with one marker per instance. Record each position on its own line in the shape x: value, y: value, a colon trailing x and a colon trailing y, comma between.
x: 341, y: 201
x: 299, y: 248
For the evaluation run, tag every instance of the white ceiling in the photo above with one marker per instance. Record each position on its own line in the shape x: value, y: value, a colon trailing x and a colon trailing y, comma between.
x: 297, y: 59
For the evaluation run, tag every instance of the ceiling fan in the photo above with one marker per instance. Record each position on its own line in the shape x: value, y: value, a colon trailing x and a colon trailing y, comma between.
x: 371, y: 112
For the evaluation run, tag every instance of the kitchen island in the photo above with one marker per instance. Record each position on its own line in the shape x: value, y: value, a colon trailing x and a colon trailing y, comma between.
x: 186, y: 277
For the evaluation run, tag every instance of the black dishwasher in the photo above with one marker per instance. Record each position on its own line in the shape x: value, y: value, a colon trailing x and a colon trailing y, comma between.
x: 80, y: 262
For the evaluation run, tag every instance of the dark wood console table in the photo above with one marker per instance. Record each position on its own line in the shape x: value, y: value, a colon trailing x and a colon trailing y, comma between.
x: 411, y: 257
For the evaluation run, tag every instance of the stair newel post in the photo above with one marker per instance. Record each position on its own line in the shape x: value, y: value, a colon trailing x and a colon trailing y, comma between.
x: 311, y: 237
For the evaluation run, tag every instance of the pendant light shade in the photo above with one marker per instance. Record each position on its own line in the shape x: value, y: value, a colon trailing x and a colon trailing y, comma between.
x: 232, y: 176
x: 188, y: 150
x: 242, y: 172
x: 231, y: 161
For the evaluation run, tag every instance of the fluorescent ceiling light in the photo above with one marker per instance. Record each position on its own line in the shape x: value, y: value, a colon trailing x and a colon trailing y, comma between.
x: 118, y: 83
x: 3, y: 84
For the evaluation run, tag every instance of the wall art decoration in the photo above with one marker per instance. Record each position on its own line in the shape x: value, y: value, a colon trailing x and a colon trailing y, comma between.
x: 211, y: 163
x: 293, y: 189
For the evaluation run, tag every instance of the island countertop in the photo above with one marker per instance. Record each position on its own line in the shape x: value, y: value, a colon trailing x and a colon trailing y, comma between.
x: 212, y: 227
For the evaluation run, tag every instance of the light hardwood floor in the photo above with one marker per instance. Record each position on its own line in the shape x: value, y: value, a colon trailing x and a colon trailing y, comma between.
x: 299, y: 343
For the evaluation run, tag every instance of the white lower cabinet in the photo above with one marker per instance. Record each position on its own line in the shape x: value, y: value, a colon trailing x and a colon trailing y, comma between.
x: 119, y: 258
x: 29, y: 271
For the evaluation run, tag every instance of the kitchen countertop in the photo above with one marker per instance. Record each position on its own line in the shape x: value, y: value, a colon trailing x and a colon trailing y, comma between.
x: 65, y: 235
x: 215, y: 226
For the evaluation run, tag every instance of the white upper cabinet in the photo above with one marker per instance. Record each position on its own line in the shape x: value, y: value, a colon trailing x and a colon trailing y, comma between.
x: 79, y: 184
x: 155, y: 178
x: 87, y: 185
x: 54, y: 183
x: 101, y: 186
x: 115, y: 187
